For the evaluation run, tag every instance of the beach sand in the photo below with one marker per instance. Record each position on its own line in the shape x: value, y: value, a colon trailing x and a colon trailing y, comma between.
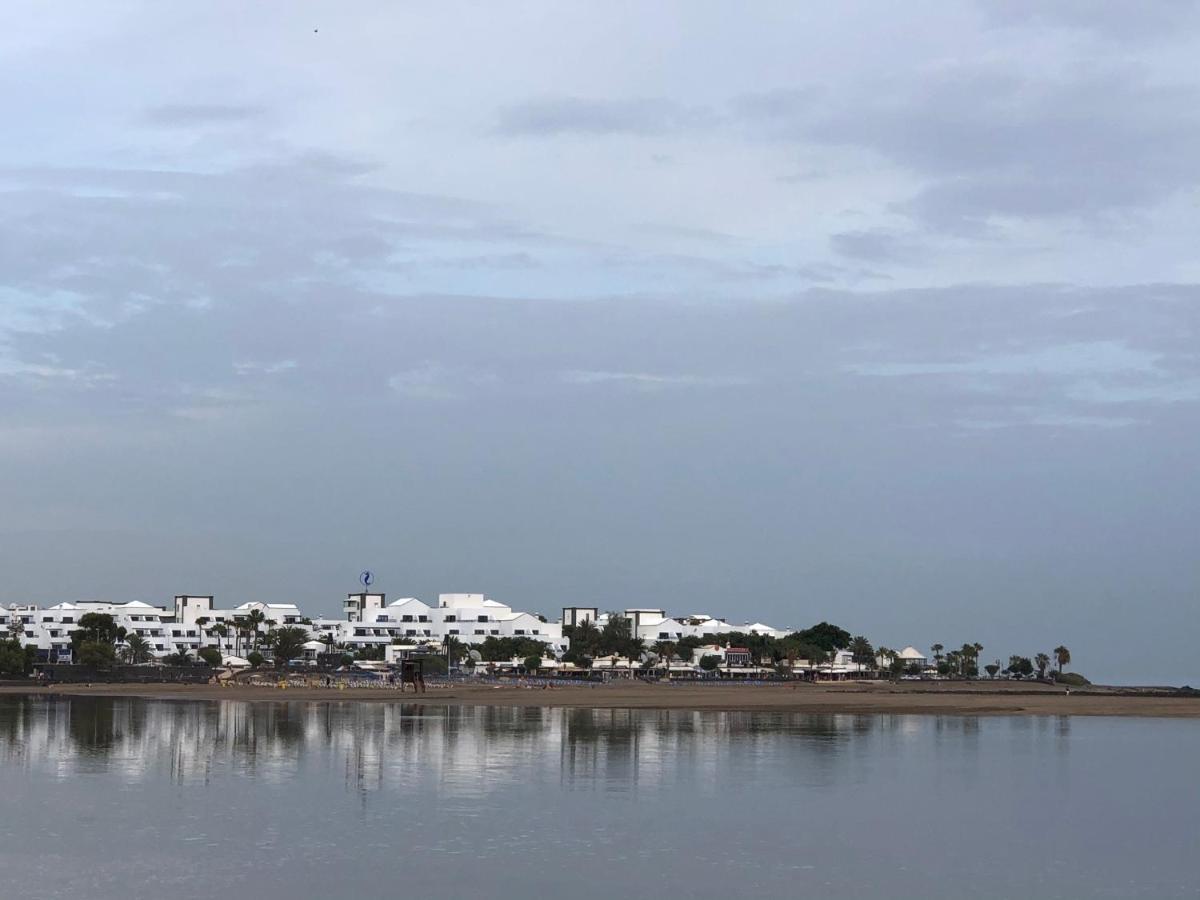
x: 855, y: 698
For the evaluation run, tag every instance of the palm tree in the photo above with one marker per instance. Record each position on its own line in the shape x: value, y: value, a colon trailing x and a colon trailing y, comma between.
x: 937, y: 653
x: 179, y: 658
x: 862, y: 652
x: 253, y: 621
x: 1041, y: 661
x: 137, y: 649
x: 1062, y: 656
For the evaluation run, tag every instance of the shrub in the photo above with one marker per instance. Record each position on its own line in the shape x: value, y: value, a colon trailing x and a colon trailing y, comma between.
x: 709, y: 663
x: 532, y: 663
x: 210, y: 655
x: 1071, y: 679
x: 254, y: 658
x: 434, y: 665
x: 97, y: 654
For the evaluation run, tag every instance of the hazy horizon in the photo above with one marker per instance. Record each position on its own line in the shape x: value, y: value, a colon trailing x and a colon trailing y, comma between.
x: 879, y: 316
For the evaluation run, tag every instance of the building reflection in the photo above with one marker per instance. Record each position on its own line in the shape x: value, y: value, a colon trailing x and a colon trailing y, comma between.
x: 467, y: 751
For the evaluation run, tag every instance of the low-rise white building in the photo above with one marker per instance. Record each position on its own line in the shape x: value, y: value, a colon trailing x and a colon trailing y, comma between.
x: 196, y: 622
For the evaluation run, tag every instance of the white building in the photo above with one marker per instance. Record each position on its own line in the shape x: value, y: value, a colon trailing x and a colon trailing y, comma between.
x: 653, y: 625
x: 196, y: 621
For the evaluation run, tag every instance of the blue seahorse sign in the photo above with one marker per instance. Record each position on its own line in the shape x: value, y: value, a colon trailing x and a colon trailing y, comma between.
x: 367, y: 578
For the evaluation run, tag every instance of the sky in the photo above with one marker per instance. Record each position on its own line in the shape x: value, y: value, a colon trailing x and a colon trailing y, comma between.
x: 872, y: 313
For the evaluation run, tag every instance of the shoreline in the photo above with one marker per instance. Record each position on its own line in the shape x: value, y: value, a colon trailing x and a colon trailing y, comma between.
x: 848, y: 698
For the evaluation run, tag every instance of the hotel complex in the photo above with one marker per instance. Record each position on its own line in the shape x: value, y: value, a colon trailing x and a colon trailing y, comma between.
x: 369, y: 620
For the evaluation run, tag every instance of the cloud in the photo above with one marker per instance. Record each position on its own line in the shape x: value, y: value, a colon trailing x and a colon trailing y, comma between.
x: 435, y: 381
x: 190, y: 115
x: 264, y: 368
x: 653, y: 381
x: 1117, y: 21
x: 580, y: 116
x: 1058, y: 359
x: 993, y: 141
x: 877, y: 245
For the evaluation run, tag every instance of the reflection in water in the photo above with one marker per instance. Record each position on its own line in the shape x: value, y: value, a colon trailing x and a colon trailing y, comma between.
x: 131, y: 799
x: 383, y: 744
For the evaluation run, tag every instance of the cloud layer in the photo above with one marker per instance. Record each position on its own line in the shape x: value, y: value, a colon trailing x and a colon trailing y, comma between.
x: 881, y: 317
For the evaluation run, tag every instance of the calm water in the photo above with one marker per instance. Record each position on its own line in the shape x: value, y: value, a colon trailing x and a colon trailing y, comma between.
x: 130, y: 799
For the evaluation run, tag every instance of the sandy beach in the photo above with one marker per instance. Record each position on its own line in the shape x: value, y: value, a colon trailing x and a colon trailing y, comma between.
x: 952, y: 699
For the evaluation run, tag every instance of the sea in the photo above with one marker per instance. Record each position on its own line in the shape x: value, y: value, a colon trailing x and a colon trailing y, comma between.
x: 127, y: 798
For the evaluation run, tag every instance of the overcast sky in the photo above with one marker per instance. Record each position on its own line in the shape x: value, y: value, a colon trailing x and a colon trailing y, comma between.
x: 878, y: 313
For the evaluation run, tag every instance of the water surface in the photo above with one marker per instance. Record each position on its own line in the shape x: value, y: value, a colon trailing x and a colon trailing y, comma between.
x: 127, y: 798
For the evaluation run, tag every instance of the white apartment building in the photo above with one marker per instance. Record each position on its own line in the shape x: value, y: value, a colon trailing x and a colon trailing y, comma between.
x: 652, y: 625
x: 196, y: 621
x: 468, y: 618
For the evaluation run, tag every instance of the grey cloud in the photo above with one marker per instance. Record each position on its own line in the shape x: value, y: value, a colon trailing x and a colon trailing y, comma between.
x: 578, y: 115
x: 189, y: 115
x: 654, y: 381
x: 995, y: 142
x: 876, y: 245
x: 480, y: 433
x: 1119, y: 21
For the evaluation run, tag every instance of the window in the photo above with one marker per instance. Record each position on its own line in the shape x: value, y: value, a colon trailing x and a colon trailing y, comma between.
x: 67, y: 620
x: 406, y: 618
x: 535, y: 631
x: 410, y: 632
x: 453, y: 631
x: 494, y: 631
x: 520, y: 632
x: 481, y: 619
x: 360, y: 632
x: 663, y: 635
x: 477, y: 631
x: 47, y: 618
x: 422, y: 618
x: 449, y: 619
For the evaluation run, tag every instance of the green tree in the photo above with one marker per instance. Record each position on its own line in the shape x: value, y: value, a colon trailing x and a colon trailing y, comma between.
x: 254, y: 658
x: 137, y: 649
x: 220, y: 632
x: 454, y: 648
x: 827, y: 637
x: 95, y: 654
x: 1042, y: 661
x: 1021, y: 666
x: 287, y: 643
x: 179, y: 658
x: 584, y: 638
x: 992, y: 669
x: 617, y: 637
x: 210, y: 655
x: 708, y: 662
x: 254, y: 620
x: 15, y: 658
x: 1062, y: 656
x: 96, y: 628
x: 937, y: 649
x: 498, y: 649
x: 862, y: 652
x: 665, y: 651
x: 532, y: 664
